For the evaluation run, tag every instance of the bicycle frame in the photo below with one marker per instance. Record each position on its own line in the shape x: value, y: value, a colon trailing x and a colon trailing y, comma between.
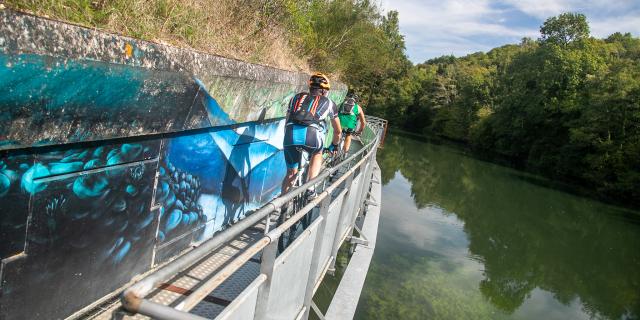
x: 297, y: 203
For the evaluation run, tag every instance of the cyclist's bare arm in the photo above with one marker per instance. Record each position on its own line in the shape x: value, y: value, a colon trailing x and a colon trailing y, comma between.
x: 361, y: 118
x: 337, y: 130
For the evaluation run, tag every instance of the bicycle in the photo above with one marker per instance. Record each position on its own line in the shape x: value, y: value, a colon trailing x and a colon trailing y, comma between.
x: 354, y: 134
x: 330, y: 159
x: 301, y: 200
x: 297, y: 203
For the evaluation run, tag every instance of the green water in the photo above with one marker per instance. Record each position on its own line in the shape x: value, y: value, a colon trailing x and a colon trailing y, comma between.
x: 461, y: 238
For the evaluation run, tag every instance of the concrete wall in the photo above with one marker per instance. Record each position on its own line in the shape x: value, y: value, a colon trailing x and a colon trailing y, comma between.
x: 118, y: 154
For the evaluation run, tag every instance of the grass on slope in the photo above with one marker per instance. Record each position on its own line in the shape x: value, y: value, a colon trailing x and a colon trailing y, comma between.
x: 249, y: 30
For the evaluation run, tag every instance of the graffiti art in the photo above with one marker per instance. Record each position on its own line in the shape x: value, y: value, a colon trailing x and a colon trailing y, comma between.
x: 84, y: 218
x: 110, y: 166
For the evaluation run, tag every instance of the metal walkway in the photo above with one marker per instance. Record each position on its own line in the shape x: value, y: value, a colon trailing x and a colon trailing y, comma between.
x: 231, y: 280
x: 173, y: 292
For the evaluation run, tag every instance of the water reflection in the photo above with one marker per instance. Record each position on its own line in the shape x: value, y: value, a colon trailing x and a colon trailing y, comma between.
x: 462, y: 238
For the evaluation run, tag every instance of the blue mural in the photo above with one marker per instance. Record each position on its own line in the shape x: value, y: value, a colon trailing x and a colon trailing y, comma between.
x: 23, y: 177
x: 14, y: 202
x: 210, y: 180
x: 108, y: 169
x: 48, y: 100
x: 89, y: 216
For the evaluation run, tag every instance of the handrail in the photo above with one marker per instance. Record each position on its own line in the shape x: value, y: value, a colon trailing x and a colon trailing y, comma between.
x: 271, y: 237
x: 133, y: 297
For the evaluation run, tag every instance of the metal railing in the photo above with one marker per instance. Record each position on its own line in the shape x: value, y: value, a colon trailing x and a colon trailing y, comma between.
x: 287, y: 282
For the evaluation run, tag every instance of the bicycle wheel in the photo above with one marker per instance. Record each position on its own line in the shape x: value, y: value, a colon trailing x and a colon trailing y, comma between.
x: 289, y: 236
x: 284, y: 239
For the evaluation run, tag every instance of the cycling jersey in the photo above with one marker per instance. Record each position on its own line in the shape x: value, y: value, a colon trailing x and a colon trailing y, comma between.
x: 306, y: 109
x: 306, y: 126
x: 348, y: 131
x: 349, y: 120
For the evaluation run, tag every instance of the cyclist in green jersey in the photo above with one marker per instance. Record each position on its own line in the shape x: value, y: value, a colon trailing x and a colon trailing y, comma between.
x: 350, y: 113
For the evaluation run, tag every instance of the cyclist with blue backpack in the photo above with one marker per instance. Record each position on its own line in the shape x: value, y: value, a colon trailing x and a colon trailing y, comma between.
x: 350, y: 114
x: 306, y: 127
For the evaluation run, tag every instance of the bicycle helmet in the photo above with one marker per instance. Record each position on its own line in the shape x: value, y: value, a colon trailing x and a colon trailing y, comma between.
x: 319, y: 80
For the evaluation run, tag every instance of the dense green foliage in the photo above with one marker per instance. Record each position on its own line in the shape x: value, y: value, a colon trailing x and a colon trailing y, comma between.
x: 566, y: 105
x: 351, y: 39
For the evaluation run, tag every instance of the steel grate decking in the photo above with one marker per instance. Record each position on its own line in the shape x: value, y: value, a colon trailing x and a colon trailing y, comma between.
x: 177, y: 289
x: 227, y: 291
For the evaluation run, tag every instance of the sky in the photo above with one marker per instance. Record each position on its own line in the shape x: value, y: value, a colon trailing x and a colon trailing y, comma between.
x: 433, y: 28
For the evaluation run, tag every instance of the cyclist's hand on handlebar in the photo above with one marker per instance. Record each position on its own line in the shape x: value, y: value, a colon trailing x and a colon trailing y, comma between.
x: 334, y: 149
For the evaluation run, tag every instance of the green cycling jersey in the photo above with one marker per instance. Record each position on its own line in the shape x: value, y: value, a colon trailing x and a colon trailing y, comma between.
x: 350, y: 120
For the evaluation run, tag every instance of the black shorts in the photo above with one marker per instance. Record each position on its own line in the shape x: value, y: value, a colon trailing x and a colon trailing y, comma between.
x: 348, y: 131
x: 298, y: 138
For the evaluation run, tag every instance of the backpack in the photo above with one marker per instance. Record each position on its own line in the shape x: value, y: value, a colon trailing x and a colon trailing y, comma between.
x: 304, y: 109
x: 347, y: 106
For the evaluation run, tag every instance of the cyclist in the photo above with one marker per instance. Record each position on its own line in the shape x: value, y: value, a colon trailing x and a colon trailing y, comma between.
x: 350, y: 114
x: 306, y: 127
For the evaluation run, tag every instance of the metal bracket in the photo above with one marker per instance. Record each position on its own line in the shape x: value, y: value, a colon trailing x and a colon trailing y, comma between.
x: 356, y: 240
x: 362, y: 240
x: 317, y: 310
x: 372, y: 202
x: 370, y: 195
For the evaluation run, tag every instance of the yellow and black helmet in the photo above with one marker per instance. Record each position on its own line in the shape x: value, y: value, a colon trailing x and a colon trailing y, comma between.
x: 319, y: 80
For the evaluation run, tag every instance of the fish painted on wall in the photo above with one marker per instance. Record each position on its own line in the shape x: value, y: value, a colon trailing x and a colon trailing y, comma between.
x: 117, y: 195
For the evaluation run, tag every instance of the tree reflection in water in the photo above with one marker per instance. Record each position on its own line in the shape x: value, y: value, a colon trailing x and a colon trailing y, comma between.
x: 525, y: 236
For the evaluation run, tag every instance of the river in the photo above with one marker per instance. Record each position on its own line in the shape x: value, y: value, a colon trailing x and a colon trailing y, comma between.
x: 460, y: 238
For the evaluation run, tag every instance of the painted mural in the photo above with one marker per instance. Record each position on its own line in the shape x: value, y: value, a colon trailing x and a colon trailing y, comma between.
x: 88, y: 233
x: 82, y: 219
x: 25, y: 177
x: 14, y: 204
x: 92, y: 219
x: 49, y: 100
x: 210, y: 180
x: 110, y: 166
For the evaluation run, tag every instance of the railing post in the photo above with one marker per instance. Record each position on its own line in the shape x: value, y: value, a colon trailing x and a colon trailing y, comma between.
x: 315, y: 260
x: 369, y: 175
x: 338, y: 235
x: 365, y: 180
x: 357, y: 193
x: 267, y: 267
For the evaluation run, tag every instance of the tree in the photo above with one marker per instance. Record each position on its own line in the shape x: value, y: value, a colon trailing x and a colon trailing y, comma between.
x: 565, y: 28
